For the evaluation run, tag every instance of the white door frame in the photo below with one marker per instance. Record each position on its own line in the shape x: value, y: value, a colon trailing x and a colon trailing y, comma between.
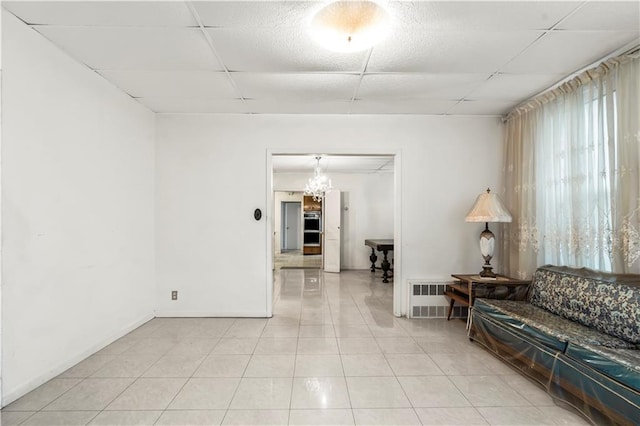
x: 400, y: 288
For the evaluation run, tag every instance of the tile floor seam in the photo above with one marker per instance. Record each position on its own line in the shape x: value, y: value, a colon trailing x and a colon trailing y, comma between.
x: 344, y: 373
x: 295, y: 359
x: 516, y: 390
x: 118, y: 395
x: 183, y: 386
x: 56, y: 398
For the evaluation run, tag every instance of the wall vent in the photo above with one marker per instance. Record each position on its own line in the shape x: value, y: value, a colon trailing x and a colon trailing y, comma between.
x: 427, y: 299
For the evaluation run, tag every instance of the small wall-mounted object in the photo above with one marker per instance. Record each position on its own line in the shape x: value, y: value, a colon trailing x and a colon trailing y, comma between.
x: 257, y: 214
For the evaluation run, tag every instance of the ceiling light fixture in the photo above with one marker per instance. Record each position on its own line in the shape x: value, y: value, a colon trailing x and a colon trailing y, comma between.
x: 350, y: 25
x: 318, y: 184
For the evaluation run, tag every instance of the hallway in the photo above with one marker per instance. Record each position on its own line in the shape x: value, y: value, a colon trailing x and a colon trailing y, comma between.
x: 332, y: 354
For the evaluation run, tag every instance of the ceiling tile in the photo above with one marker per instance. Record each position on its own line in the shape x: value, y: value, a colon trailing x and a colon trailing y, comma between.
x: 437, y: 53
x: 514, y: 86
x: 352, y: 164
x: 307, y: 86
x: 415, y: 49
x: 482, y: 15
x: 254, y: 13
x: 332, y: 163
x: 620, y: 16
x: 134, y: 48
x: 483, y: 107
x: 187, y: 84
x: 418, y: 86
x: 105, y: 13
x: 408, y: 106
x: 193, y: 105
x: 293, y: 163
x: 260, y: 106
x: 564, y: 52
x: 269, y: 50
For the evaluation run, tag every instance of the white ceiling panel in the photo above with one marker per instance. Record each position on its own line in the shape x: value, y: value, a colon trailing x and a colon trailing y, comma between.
x: 415, y: 50
x: 407, y: 106
x: 564, y: 52
x: 515, y: 87
x: 620, y: 16
x: 254, y: 13
x: 308, y: 86
x: 271, y: 50
x: 134, y: 48
x: 332, y: 163
x: 193, y: 105
x: 419, y: 86
x: 482, y: 15
x: 187, y: 84
x: 482, y: 107
x: 470, y: 57
x: 268, y: 106
x: 105, y: 13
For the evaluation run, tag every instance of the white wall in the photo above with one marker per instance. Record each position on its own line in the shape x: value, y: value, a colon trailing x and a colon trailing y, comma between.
x: 212, y: 172
x: 1, y: 13
x: 367, y: 210
x: 77, y: 211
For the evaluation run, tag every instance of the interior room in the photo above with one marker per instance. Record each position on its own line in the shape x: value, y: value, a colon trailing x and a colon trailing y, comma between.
x: 366, y: 192
x: 149, y: 150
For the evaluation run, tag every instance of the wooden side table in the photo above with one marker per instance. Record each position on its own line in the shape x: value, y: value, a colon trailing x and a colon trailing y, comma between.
x: 465, y: 288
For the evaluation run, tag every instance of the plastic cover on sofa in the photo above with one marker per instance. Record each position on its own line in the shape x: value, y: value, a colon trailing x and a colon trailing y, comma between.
x: 547, y: 359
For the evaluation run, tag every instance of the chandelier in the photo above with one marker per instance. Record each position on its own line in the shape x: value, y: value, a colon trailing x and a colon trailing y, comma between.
x: 318, y: 184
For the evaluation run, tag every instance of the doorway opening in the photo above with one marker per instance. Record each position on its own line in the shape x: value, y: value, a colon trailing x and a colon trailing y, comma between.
x: 291, y: 226
x: 293, y: 233
x: 369, y: 193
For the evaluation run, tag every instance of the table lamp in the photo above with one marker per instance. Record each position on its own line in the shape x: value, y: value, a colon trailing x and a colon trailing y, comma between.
x: 488, y: 208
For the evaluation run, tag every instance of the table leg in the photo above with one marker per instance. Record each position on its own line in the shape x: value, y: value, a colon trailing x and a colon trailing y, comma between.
x: 450, y: 309
x: 373, y: 259
x: 385, y: 267
x: 470, y: 304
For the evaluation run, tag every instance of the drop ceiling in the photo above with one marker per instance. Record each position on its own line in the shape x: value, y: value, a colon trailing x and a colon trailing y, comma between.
x: 333, y: 164
x: 255, y: 57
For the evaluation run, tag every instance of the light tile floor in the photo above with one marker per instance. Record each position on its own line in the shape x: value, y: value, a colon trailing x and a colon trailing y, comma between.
x: 295, y: 259
x: 332, y: 354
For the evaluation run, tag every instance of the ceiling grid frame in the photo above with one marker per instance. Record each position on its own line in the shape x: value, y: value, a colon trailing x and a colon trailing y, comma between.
x: 469, y: 58
x: 214, y: 51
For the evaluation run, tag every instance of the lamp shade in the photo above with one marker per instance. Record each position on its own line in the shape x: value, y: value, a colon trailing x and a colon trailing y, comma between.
x: 488, y: 208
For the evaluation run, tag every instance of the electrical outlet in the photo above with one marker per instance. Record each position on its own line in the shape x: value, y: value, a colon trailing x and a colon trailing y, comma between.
x: 174, y: 295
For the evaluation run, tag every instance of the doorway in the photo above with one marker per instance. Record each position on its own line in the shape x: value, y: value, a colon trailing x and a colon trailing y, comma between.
x: 291, y: 171
x: 288, y: 236
x: 291, y: 225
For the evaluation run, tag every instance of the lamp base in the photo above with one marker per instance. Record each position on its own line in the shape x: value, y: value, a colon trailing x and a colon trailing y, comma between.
x: 487, y: 272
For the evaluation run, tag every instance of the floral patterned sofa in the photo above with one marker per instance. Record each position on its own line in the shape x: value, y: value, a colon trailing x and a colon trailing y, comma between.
x: 577, y: 335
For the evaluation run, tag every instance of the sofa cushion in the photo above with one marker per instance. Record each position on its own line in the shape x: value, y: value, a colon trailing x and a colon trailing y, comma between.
x: 620, y: 364
x: 610, y: 303
x: 553, y: 330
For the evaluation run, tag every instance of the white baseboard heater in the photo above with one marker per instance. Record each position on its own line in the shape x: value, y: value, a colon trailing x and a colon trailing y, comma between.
x: 427, y: 299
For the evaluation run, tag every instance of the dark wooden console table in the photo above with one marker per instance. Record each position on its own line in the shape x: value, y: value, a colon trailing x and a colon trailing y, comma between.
x: 385, y: 246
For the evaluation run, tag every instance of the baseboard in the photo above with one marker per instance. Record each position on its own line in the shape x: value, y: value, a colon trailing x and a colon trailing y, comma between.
x: 209, y: 314
x: 9, y: 397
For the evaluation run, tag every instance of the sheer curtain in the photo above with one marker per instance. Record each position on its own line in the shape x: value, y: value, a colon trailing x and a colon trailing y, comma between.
x: 571, y: 174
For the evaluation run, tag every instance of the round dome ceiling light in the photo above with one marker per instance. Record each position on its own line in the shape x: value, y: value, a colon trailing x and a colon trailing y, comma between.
x: 350, y: 26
